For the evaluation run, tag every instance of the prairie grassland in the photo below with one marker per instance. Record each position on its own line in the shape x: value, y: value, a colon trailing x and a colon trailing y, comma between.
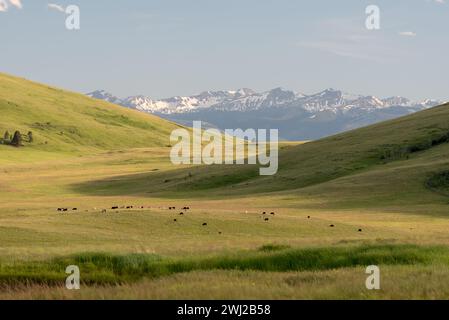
x: 383, y: 188
x: 31, y: 193
x: 397, y: 282
x: 33, y: 234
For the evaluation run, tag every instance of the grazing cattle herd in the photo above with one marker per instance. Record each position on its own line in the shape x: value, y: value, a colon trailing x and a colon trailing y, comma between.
x: 184, y: 211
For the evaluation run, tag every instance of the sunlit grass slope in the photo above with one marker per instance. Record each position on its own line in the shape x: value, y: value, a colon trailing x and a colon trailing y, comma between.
x: 400, y: 161
x: 65, y: 122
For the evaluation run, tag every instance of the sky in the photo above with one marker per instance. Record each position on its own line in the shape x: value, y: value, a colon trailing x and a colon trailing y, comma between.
x: 162, y: 48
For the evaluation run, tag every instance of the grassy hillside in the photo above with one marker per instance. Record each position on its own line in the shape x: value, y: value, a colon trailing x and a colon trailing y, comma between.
x: 65, y: 122
x: 376, y: 195
x: 407, y: 154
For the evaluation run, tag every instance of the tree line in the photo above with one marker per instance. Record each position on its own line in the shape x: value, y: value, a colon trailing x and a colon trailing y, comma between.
x: 17, y: 138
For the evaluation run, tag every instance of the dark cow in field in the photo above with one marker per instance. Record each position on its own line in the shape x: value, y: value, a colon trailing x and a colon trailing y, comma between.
x: 204, y: 224
x: 114, y: 208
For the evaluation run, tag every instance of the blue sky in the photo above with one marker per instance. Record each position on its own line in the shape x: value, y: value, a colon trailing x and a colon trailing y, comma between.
x: 162, y: 48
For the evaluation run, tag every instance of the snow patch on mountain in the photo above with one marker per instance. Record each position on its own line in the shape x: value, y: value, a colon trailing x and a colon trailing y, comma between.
x: 245, y: 100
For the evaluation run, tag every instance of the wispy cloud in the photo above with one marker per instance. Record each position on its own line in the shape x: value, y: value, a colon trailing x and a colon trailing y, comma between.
x: 16, y: 3
x: 348, y: 48
x: 4, y: 4
x: 407, y: 34
x: 56, y: 7
x: 348, y: 38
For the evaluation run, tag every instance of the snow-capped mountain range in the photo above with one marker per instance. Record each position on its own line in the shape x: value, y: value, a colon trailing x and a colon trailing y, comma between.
x: 245, y: 100
x: 297, y: 115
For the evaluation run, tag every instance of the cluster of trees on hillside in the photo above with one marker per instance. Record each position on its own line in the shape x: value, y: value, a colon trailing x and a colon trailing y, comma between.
x: 16, y: 139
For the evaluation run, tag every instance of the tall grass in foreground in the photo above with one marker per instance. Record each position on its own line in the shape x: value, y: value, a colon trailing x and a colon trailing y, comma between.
x: 102, y: 268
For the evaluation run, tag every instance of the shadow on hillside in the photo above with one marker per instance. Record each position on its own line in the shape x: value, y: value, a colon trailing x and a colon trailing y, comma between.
x: 217, y: 180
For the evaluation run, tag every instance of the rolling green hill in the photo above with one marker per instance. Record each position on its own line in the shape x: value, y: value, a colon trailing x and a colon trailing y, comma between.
x: 395, y: 161
x: 66, y: 122
x: 376, y: 195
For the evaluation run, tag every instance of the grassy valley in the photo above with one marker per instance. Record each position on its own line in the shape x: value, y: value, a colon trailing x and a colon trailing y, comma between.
x: 383, y: 188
